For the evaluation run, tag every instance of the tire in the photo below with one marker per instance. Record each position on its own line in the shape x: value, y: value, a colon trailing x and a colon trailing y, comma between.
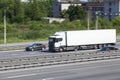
x: 80, y: 48
x: 95, y: 47
x: 61, y: 50
x: 42, y: 48
x: 32, y: 49
x: 100, y: 46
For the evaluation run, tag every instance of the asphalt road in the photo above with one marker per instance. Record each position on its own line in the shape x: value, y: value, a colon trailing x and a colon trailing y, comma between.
x: 23, y: 53
x: 95, y: 70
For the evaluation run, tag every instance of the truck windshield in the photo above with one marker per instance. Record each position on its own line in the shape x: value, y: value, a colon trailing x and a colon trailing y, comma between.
x: 55, y: 39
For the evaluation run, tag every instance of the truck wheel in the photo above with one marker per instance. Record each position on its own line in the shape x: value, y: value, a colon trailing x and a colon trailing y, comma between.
x: 61, y: 50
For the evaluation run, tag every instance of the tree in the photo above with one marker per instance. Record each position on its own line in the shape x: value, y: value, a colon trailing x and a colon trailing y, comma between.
x: 23, y: 11
x: 116, y: 21
x: 48, y: 5
x: 36, y: 9
x: 75, y: 13
x: 104, y: 23
x: 18, y: 11
x: 15, y: 12
x: 32, y: 10
x: 4, y: 4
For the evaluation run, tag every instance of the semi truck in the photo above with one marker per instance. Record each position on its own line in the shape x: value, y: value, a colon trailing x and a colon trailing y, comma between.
x: 79, y: 39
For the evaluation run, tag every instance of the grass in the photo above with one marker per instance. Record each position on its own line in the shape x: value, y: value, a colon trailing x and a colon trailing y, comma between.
x: 14, y: 40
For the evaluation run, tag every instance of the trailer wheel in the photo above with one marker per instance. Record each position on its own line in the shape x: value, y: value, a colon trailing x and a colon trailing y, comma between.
x: 100, y: 46
x: 95, y: 47
x: 61, y: 50
x: 80, y: 48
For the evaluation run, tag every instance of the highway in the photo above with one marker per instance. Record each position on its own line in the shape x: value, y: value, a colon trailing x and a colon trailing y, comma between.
x: 95, y: 70
x: 23, y: 53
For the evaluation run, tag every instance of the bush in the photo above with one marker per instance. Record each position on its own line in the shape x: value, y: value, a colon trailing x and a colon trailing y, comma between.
x: 37, y: 30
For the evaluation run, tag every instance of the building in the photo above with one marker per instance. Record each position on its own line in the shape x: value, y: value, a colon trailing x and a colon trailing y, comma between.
x: 111, y: 9
x: 50, y: 20
x: 58, y: 7
x: 92, y: 7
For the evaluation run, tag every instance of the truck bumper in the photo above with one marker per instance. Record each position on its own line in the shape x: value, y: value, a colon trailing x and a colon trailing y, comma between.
x: 54, y: 49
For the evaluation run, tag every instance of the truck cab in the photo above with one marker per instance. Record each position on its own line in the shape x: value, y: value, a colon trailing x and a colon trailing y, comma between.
x: 55, y: 42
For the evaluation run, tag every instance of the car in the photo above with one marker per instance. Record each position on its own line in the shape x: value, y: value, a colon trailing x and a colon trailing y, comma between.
x: 35, y: 47
x: 107, y: 48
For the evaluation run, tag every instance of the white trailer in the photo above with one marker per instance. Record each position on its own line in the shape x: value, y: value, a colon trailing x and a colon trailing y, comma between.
x: 75, y: 40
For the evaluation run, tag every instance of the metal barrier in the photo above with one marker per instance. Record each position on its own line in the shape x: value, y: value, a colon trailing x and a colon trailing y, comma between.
x: 43, y: 60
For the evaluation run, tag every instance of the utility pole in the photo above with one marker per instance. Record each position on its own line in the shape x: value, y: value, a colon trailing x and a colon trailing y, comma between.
x: 5, y: 31
x: 89, y: 17
x: 88, y: 20
x: 5, y: 36
x: 96, y: 22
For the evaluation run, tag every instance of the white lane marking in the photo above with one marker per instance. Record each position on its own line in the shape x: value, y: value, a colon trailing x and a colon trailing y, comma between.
x: 27, y: 75
x: 48, y: 78
x: 18, y: 76
x: 12, y: 51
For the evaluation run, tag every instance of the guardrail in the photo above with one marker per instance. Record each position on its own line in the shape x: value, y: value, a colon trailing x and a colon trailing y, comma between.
x: 44, y: 60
